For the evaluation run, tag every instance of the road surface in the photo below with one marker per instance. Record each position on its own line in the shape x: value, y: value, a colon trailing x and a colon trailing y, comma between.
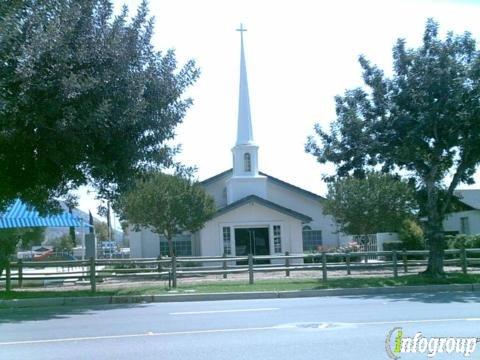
x: 351, y: 327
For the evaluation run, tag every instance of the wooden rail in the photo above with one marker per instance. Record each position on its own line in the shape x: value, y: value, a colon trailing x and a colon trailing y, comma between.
x: 172, y: 269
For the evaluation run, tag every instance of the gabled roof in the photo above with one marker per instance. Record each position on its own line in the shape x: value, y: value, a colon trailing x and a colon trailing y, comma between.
x: 292, y: 187
x: 216, y: 177
x: 470, y: 197
x: 270, y: 178
x: 266, y: 203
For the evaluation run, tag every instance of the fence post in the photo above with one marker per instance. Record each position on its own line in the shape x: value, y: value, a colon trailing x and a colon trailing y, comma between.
x: 405, y: 261
x: 463, y: 255
x: 93, y: 282
x: 250, y: 268
x: 366, y: 259
x: 174, y: 271
x: 224, y: 266
x: 324, y: 266
x: 347, y: 259
x: 287, y: 264
x: 8, y: 277
x: 20, y: 273
x: 395, y: 268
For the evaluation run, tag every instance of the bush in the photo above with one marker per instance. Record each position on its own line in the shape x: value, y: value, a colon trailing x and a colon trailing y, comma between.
x: 62, y: 243
x: 351, y: 247
x: 393, y: 245
x: 464, y: 241
x: 411, y: 235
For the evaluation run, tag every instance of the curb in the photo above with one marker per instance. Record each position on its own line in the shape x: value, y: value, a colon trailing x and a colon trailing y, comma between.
x: 136, y: 299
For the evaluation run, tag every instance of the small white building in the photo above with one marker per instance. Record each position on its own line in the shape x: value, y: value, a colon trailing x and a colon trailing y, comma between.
x: 466, y: 221
x: 257, y: 213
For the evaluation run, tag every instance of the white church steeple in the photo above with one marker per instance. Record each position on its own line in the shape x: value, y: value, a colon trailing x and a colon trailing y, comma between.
x: 245, y: 152
x: 245, y: 179
x: 244, y: 129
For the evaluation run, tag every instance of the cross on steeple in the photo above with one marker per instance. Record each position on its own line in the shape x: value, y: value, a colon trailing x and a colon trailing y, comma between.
x: 241, y: 29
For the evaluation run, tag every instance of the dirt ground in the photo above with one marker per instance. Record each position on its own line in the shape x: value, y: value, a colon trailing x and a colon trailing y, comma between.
x: 115, y: 283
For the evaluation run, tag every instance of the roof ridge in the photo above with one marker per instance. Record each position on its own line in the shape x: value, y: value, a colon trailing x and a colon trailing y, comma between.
x: 265, y: 202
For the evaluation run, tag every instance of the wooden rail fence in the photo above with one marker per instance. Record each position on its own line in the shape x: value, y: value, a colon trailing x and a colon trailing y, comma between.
x: 171, y: 269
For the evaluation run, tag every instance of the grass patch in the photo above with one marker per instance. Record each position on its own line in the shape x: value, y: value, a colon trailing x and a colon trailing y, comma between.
x: 243, y: 286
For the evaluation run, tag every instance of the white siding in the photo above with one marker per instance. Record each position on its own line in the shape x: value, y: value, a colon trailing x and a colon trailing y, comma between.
x: 306, y: 205
x: 135, y: 244
x: 218, y: 190
x: 292, y: 199
x: 453, y: 223
x: 251, y: 215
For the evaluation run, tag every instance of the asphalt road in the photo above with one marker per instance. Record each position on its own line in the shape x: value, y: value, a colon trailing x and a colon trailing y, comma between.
x: 353, y: 327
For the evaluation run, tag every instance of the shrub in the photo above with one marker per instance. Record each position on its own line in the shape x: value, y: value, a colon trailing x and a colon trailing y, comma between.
x: 351, y: 247
x: 460, y: 241
x: 62, y: 243
x: 393, y: 245
x: 411, y: 235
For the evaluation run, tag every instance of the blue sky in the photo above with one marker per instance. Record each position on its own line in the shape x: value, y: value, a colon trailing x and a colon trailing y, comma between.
x: 300, y: 54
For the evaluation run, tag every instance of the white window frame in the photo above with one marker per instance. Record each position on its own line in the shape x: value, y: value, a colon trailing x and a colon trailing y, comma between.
x: 465, y: 225
x: 274, y: 237
x: 230, y: 253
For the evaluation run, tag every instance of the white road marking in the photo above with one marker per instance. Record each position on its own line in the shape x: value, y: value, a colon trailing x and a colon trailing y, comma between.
x: 107, y: 337
x: 213, y: 331
x: 222, y: 311
x: 412, y: 321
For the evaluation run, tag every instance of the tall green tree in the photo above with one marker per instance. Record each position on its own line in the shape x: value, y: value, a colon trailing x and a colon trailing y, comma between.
x: 84, y: 99
x: 376, y: 203
x: 167, y: 204
x: 424, y: 121
x: 101, y: 230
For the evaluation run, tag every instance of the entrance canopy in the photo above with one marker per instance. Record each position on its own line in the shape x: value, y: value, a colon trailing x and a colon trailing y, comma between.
x: 18, y: 215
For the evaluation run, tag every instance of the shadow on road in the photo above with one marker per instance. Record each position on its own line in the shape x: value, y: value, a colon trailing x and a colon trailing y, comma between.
x: 60, y: 312
x: 434, y: 298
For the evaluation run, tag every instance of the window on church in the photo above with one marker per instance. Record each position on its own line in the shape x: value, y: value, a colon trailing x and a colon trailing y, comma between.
x: 182, y: 245
x: 464, y: 225
x: 312, y: 239
x: 247, y: 162
x: 227, y: 244
x: 277, y: 239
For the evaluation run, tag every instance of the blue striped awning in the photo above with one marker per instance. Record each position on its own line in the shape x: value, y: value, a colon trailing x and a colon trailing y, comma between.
x: 18, y: 215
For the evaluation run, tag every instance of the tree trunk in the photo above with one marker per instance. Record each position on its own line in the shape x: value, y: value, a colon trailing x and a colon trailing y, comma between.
x: 436, y: 245
x: 72, y: 230
x: 170, y: 247
x: 7, y: 249
x: 434, y: 233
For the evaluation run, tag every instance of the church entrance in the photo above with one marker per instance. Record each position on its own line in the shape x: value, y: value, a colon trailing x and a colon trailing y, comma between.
x: 254, y: 241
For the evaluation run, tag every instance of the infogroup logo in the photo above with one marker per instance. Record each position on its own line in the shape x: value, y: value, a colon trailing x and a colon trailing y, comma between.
x: 397, y: 343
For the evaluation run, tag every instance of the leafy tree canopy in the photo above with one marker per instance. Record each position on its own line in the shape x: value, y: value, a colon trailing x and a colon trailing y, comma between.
x: 101, y: 230
x: 167, y: 204
x: 84, y: 99
x: 424, y: 121
x: 376, y: 203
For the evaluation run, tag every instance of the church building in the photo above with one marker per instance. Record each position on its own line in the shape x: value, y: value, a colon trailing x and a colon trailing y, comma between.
x: 257, y: 213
